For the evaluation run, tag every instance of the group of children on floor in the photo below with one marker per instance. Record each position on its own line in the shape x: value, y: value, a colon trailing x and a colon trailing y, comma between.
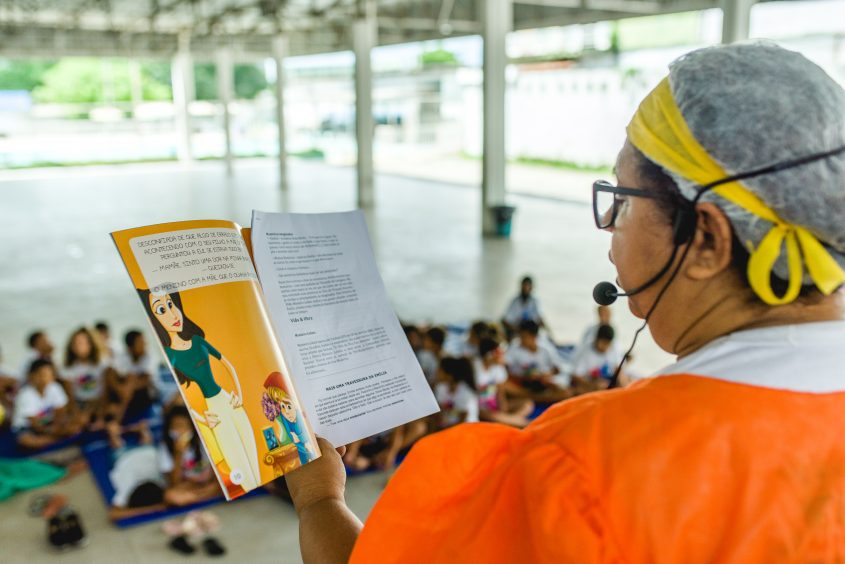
x: 90, y: 385
x: 94, y: 387
x: 496, y: 372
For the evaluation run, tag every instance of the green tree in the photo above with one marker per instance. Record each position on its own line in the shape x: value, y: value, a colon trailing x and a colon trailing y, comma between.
x: 89, y: 80
x: 249, y: 81
x: 438, y: 57
x: 155, y: 76
x: 205, y: 81
x: 22, y: 74
x: 72, y: 80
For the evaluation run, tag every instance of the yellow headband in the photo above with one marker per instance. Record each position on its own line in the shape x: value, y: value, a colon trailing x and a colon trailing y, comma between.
x: 660, y: 132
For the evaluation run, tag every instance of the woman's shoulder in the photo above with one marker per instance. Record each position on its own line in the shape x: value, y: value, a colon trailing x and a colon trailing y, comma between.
x: 639, y: 417
x: 649, y: 399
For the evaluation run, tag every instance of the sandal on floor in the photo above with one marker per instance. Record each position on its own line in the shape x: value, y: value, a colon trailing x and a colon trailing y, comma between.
x: 181, y: 545
x: 213, y: 547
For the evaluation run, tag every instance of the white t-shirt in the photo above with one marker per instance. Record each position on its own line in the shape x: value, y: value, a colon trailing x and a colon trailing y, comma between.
x: 591, y: 363
x: 523, y: 362
x: 468, y: 349
x: 487, y: 381
x: 125, y: 364
x: 29, y: 403
x: 191, y: 466
x: 429, y: 364
x: 455, y: 403
x: 86, y: 379
x: 133, y: 467
x: 805, y: 357
x: 519, y: 310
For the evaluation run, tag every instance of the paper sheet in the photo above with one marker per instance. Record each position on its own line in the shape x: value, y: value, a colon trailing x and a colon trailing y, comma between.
x: 348, y: 356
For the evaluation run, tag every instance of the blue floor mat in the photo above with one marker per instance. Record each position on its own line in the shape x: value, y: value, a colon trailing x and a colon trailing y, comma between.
x: 539, y: 409
x: 98, y: 455
x: 9, y: 446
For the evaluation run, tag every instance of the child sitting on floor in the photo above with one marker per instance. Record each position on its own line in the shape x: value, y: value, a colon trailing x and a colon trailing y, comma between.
x: 102, y: 334
x: 534, y: 367
x: 414, y: 336
x: 137, y: 481
x: 477, y: 331
x: 8, y: 389
x: 594, y: 365
x: 456, y: 393
x: 39, y: 347
x: 380, y: 451
x: 490, y: 379
x: 41, y: 416
x: 85, y: 371
x: 129, y: 387
x: 188, y: 473
x: 431, y: 353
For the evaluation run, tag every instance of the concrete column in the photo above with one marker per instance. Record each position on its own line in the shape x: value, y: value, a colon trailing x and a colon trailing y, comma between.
x: 497, y: 21
x: 280, y: 49
x: 136, y: 87
x: 736, y: 20
x: 364, y: 36
x: 225, y: 93
x: 182, y: 82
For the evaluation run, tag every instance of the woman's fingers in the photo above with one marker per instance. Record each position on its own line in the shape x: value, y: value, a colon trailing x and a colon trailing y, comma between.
x: 235, y: 400
x: 211, y: 419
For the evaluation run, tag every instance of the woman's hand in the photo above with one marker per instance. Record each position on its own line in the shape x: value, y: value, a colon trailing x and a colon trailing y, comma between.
x: 319, y: 480
x: 327, y: 528
x: 235, y: 400
x: 211, y: 419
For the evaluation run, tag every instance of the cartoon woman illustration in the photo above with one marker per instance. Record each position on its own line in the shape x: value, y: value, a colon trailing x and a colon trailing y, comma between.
x: 190, y: 355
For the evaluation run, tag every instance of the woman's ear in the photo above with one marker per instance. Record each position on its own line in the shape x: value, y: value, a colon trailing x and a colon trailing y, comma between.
x: 711, y: 252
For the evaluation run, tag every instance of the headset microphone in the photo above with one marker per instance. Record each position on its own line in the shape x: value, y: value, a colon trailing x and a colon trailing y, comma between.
x: 605, y: 293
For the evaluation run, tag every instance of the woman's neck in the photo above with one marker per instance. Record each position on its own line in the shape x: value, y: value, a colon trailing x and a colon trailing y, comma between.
x: 178, y: 343
x: 738, y: 313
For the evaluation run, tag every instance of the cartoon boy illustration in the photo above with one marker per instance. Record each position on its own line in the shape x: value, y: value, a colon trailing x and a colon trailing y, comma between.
x: 289, y: 418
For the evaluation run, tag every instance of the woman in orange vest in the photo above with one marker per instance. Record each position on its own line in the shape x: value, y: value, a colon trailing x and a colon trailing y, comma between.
x: 728, y: 232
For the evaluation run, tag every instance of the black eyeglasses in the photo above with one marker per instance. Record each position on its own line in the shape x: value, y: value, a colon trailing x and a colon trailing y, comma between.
x: 607, y: 201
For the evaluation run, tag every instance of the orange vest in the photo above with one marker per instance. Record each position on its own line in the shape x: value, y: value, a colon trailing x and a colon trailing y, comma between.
x: 672, y: 469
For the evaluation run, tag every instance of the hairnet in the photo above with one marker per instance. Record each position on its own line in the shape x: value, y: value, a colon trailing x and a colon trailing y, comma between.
x: 755, y: 104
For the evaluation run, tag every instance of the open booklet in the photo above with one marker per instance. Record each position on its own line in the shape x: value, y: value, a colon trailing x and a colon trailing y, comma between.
x: 275, y: 333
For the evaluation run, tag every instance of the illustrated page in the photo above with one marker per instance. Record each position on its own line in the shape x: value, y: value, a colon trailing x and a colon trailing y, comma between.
x: 199, y: 289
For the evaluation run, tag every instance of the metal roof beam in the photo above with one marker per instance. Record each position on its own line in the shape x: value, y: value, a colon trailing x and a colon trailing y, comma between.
x: 426, y: 24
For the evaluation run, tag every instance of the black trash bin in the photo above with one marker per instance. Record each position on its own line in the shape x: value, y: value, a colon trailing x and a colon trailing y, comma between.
x: 504, y: 218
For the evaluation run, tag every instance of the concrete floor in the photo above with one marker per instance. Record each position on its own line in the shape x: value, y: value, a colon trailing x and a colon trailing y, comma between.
x: 260, y: 530
x: 61, y: 271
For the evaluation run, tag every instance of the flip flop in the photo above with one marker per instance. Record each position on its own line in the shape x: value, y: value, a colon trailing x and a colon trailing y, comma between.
x: 213, y: 547
x: 181, y: 545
